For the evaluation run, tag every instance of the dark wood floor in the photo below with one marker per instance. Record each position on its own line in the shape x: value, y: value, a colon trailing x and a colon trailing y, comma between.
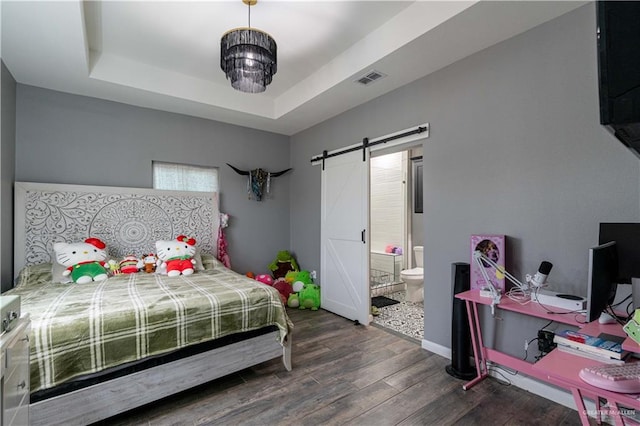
x: 345, y: 374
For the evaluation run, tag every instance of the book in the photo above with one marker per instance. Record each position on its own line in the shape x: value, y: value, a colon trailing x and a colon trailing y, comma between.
x: 492, y: 246
x: 585, y: 354
x: 596, y: 345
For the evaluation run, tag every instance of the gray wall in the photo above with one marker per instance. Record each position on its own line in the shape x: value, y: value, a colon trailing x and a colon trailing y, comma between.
x: 515, y: 148
x: 71, y: 139
x: 7, y: 173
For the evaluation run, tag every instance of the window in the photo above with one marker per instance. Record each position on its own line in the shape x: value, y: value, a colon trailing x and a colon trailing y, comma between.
x: 417, y: 185
x: 183, y: 177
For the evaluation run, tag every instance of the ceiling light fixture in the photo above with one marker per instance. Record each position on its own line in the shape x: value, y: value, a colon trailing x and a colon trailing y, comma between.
x: 248, y: 57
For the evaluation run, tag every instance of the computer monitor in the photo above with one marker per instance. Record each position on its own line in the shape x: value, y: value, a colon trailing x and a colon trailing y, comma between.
x: 627, y: 237
x: 603, y: 273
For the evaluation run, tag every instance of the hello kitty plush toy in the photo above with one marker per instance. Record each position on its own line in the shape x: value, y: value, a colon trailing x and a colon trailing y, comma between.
x: 176, y: 256
x: 85, y: 261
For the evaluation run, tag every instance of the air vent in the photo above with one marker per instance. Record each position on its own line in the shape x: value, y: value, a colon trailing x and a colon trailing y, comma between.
x: 370, y: 77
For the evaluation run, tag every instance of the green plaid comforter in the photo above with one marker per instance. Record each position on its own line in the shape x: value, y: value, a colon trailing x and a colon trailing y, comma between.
x: 77, y: 329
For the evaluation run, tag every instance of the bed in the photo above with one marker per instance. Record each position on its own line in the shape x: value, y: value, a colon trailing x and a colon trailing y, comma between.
x: 103, y: 348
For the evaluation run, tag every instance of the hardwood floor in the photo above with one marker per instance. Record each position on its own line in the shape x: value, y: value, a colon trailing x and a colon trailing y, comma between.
x: 345, y: 374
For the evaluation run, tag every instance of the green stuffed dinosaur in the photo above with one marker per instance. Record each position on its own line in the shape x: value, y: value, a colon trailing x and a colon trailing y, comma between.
x: 283, y: 263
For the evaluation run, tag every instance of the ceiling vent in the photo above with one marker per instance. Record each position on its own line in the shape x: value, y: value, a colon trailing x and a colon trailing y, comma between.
x: 370, y: 77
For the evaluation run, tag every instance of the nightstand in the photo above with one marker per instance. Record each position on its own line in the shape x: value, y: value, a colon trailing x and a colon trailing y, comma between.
x: 14, y: 374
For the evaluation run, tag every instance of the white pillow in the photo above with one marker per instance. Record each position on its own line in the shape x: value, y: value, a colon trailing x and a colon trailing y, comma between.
x: 198, y: 258
x: 210, y: 262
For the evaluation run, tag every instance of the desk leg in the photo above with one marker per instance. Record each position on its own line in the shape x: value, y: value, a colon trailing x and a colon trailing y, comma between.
x: 478, y: 346
x: 617, y: 416
x: 582, y: 410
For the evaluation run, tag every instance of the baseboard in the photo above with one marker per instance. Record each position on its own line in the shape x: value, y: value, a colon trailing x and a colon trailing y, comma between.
x: 537, y: 387
x: 436, y: 348
x: 522, y: 381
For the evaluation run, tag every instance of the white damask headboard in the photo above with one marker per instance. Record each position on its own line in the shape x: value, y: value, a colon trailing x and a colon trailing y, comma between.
x: 128, y: 220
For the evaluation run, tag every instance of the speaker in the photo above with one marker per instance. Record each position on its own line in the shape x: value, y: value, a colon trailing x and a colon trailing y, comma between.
x: 460, y: 367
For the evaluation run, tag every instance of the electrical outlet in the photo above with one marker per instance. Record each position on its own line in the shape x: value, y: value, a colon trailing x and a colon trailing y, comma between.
x: 526, y: 344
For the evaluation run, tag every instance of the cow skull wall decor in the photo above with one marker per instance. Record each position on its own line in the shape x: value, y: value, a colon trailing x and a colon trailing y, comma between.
x: 256, y: 180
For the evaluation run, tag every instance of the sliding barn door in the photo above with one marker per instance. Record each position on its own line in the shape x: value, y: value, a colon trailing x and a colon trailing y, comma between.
x: 345, y: 236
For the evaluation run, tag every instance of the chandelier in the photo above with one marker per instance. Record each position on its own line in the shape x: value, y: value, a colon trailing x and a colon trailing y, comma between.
x: 248, y: 57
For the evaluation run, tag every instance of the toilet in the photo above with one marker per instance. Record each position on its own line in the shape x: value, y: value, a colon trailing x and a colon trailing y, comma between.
x: 414, y: 278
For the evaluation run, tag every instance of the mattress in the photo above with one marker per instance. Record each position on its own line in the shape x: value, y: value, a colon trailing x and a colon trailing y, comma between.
x: 81, y: 329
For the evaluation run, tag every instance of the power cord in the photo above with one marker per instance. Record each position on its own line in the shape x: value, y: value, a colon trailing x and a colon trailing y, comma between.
x: 609, y: 311
x: 498, y: 370
x: 519, y: 295
x: 526, y: 347
x: 629, y: 305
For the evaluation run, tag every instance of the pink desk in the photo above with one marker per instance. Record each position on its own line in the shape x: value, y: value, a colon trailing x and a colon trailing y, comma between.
x: 562, y: 369
x: 553, y: 367
x: 483, y: 354
x: 594, y: 329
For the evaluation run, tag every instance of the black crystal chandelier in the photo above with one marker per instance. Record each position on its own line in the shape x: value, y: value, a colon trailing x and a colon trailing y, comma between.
x: 248, y: 57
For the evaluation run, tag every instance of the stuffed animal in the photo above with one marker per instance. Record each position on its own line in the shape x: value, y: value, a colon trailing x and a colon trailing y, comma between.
x: 284, y: 288
x: 302, y: 278
x: 290, y: 277
x: 280, y: 282
x: 264, y: 279
x: 310, y: 297
x: 85, y: 261
x: 176, y: 256
x: 293, y: 301
x: 130, y: 264
x: 114, y: 267
x: 283, y: 263
x: 149, y: 262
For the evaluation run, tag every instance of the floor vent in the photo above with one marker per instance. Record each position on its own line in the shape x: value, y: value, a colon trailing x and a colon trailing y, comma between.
x: 370, y: 77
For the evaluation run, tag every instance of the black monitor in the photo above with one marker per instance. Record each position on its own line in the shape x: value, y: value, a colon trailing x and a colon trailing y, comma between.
x: 603, y: 273
x: 627, y: 238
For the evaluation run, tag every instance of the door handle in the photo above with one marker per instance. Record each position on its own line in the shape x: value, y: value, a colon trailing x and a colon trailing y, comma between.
x: 362, y: 236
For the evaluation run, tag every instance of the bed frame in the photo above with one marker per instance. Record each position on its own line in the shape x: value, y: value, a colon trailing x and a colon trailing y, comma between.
x: 127, y: 219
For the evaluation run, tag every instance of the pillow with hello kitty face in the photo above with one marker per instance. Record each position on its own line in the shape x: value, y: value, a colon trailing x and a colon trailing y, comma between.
x: 84, y: 261
x: 176, y: 257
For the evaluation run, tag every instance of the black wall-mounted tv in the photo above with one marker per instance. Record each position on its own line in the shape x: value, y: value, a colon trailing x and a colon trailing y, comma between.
x: 618, y: 35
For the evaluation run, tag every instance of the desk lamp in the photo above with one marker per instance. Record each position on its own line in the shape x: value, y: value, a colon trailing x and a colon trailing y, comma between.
x: 479, y: 258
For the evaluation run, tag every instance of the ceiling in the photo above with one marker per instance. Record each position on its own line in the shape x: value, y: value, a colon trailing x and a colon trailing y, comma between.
x: 165, y: 55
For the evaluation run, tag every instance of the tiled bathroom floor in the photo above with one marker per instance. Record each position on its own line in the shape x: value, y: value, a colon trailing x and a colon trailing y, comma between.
x: 405, y: 317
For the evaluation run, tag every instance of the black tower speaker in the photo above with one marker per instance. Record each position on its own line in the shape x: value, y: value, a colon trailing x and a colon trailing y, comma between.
x: 460, y: 367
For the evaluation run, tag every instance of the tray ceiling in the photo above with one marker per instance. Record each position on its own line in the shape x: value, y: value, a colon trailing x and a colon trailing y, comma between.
x: 165, y: 55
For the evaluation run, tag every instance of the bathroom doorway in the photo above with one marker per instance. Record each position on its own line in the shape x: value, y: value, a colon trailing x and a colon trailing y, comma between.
x: 395, y: 229
x: 347, y: 291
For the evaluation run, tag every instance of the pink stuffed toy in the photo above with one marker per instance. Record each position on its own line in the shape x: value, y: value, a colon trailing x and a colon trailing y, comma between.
x: 264, y: 279
x: 284, y: 288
